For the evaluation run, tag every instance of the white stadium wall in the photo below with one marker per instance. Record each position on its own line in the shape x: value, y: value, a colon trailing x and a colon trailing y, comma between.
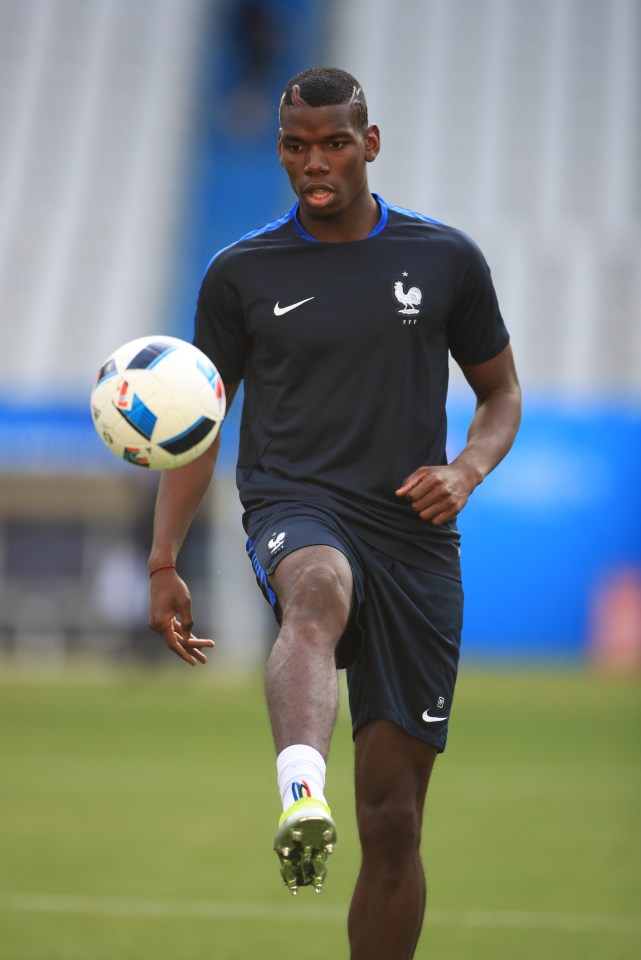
x: 96, y: 102
x: 520, y: 123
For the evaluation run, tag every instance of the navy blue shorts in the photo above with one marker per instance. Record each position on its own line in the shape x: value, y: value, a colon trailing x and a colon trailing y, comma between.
x: 401, y: 644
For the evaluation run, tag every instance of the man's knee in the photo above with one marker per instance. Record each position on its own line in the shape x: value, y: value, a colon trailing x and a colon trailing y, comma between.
x: 315, y: 585
x: 390, y: 831
x: 318, y: 591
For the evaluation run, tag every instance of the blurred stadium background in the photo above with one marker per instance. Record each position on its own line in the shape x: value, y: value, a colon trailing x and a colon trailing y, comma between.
x: 137, y: 138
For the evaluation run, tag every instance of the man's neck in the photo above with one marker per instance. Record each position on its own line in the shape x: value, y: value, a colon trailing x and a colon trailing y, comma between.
x: 355, y: 224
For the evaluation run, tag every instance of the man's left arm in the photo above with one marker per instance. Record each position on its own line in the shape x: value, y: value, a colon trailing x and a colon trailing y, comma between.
x: 439, y: 493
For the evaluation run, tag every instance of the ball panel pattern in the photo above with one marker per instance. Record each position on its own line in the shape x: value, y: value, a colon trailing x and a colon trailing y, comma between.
x: 158, y: 402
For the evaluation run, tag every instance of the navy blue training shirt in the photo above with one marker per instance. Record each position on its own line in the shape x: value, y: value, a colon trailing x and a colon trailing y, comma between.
x: 344, y: 352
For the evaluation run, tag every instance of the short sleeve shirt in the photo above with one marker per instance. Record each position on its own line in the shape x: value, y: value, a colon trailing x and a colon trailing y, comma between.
x: 344, y: 353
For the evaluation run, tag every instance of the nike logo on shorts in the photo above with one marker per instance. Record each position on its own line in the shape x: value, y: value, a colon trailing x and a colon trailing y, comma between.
x: 279, y: 311
x: 426, y: 717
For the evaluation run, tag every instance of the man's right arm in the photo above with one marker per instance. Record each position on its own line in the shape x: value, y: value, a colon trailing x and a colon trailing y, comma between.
x: 180, y: 493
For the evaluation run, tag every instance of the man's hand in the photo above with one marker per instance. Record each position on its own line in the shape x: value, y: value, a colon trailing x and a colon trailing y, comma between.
x: 170, y: 616
x: 437, y: 494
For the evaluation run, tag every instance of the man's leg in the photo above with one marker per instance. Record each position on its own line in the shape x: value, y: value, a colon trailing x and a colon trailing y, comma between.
x: 314, y: 589
x: 392, y: 774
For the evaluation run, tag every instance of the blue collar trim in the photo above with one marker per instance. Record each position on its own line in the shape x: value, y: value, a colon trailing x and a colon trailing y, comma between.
x: 382, y: 221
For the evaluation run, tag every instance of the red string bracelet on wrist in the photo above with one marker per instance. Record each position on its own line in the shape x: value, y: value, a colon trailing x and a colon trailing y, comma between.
x: 163, y: 566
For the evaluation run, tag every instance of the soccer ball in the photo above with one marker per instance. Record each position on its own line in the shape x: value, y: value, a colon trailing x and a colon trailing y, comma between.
x: 158, y: 402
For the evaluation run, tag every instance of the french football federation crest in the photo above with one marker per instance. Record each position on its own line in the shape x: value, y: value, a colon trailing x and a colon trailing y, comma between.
x: 277, y: 542
x: 409, y: 301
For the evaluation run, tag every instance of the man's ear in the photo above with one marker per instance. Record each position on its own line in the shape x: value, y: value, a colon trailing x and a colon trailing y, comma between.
x: 372, y: 143
x: 279, y: 147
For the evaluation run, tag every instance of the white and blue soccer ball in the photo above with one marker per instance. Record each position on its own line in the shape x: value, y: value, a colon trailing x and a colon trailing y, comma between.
x: 158, y: 402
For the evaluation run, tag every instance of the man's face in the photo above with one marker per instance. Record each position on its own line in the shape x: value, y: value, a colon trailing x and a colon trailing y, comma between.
x: 325, y: 154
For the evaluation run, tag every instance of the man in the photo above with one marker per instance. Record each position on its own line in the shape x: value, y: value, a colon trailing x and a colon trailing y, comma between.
x: 339, y: 318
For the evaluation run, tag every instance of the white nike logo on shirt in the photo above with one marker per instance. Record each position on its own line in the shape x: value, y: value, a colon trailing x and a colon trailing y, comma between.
x: 279, y: 311
x: 428, y: 719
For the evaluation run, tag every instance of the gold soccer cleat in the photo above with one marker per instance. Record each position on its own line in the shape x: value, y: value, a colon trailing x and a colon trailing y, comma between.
x: 305, y: 838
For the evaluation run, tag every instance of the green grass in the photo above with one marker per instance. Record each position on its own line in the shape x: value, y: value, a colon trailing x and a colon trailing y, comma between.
x: 137, y: 811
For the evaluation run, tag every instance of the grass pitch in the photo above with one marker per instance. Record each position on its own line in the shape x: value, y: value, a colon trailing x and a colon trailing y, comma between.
x: 137, y: 812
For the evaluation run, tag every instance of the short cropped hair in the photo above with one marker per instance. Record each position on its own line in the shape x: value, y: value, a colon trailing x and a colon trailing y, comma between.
x: 325, y: 87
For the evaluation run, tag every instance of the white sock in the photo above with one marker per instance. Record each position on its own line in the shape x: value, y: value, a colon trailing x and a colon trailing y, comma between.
x: 301, y: 773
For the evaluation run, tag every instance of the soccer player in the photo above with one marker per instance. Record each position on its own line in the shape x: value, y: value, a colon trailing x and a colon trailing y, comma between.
x: 340, y: 318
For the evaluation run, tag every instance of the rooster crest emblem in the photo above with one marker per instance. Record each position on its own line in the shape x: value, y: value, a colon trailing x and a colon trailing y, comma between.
x: 277, y: 542
x: 409, y: 301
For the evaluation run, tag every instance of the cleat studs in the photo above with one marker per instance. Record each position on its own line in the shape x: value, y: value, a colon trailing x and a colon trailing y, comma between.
x: 303, y: 845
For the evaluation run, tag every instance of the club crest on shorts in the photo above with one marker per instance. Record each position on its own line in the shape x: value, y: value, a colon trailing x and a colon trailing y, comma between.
x: 410, y: 300
x: 276, y: 542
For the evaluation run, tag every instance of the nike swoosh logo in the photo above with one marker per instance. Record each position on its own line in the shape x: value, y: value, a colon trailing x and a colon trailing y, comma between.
x: 279, y: 311
x: 428, y: 719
